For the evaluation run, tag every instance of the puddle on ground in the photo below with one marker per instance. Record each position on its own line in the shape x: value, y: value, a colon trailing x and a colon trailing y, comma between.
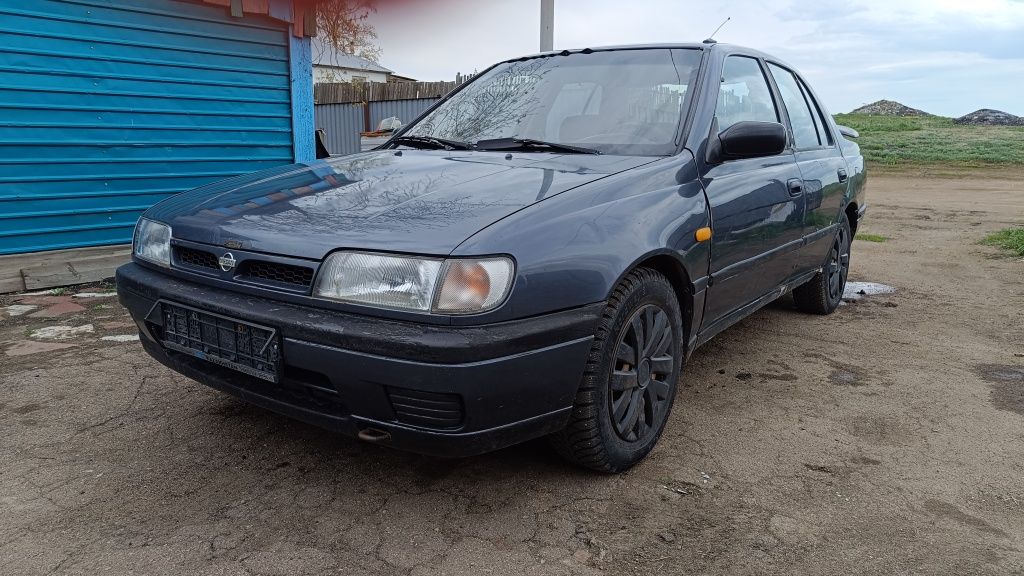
x: 856, y: 290
x: 1007, y: 383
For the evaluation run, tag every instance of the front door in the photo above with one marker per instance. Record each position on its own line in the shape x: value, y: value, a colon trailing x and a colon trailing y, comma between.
x: 757, y: 205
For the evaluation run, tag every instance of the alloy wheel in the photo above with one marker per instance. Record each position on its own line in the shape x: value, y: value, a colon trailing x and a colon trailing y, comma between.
x: 838, y: 264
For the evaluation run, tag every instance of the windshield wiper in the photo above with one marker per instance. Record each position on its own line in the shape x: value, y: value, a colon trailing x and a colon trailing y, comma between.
x: 531, y: 144
x: 431, y: 142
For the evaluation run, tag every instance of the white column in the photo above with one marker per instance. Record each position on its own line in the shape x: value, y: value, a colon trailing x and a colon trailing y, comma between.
x: 547, y: 25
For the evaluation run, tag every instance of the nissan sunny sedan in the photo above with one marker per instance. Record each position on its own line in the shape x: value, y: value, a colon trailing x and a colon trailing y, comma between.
x: 535, y: 255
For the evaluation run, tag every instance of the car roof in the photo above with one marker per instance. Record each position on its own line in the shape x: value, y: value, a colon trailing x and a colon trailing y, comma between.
x: 704, y: 46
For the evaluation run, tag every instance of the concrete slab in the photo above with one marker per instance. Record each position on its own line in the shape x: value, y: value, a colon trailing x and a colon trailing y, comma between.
x: 121, y: 338
x: 61, y: 332
x: 19, y: 309
x: 26, y: 347
x: 58, y: 310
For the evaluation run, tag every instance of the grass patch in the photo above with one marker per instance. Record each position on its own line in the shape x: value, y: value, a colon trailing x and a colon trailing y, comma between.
x: 870, y: 237
x: 1011, y: 239
x: 898, y: 142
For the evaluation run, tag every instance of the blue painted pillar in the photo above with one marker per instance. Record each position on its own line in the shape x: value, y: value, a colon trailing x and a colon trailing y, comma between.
x: 300, y: 65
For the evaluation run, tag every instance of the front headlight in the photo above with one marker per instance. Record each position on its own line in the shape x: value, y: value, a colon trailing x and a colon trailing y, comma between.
x: 452, y: 286
x: 152, y: 242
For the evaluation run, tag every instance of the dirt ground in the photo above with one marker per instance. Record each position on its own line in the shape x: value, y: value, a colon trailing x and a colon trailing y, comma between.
x: 885, y: 439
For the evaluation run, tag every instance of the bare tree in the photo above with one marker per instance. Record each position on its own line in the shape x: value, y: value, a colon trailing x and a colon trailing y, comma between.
x: 343, y: 25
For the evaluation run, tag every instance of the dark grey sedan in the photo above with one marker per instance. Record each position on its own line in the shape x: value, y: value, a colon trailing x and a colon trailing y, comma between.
x: 536, y: 255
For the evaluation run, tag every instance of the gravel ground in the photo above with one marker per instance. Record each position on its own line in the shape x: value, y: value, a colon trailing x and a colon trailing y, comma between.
x: 885, y: 439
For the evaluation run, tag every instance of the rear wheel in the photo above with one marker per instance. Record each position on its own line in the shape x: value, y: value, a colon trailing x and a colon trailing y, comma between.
x: 822, y: 293
x: 630, y: 380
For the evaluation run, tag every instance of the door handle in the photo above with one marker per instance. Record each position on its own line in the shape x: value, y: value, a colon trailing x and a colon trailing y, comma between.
x: 842, y: 175
x: 796, y: 186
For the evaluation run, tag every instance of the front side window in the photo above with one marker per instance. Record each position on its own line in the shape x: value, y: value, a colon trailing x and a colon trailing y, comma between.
x: 805, y: 129
x: 744, y: 94
x: 617, y: 102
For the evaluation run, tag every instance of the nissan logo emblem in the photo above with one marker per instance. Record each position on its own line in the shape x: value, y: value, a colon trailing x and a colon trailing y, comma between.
x: 227, y: 262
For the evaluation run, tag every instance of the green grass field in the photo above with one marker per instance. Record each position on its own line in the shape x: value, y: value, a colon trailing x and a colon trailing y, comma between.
x: 908, y: 142
x: 870, y: 237
x: 1011, y: 239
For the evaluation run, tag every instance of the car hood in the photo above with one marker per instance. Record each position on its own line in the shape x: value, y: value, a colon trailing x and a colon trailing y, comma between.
x: 419, y: 201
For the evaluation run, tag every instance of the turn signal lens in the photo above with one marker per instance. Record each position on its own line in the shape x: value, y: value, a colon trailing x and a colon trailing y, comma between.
x: 473, y: 285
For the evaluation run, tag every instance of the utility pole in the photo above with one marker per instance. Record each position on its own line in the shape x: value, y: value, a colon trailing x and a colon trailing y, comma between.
x: 547, y: 25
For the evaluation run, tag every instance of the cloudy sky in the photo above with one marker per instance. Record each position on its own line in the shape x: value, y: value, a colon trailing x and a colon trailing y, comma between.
x: 946, y: 57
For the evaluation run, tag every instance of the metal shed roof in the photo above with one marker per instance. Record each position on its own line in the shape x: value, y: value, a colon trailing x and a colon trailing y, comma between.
x: 326, y: 55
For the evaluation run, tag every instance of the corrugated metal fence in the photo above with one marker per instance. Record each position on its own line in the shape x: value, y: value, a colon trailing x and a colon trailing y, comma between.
x: 404, y: 110
x: 109, y: 107
x: 344, y: 122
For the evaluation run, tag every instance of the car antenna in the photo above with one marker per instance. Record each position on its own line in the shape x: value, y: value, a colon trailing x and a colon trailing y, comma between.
x: 711, y: 39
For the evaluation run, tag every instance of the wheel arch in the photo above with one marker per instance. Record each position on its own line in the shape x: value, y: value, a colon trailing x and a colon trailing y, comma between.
x: 852, y: 215
x: 670, y: 265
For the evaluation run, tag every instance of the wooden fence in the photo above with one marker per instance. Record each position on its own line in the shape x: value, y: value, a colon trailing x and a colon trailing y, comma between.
x: 345, y: 109
x: 349, y: 92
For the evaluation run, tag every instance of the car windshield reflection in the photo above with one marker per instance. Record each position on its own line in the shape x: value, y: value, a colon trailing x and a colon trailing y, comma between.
x: 615, y: 102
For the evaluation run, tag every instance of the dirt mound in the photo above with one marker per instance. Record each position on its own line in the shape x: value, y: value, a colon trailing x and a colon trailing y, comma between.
x: 889, y: 108
x: 989, y: 117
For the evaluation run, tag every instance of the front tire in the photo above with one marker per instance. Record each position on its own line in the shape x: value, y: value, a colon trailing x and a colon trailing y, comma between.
x: 631, y: 376
x: 822, y: 293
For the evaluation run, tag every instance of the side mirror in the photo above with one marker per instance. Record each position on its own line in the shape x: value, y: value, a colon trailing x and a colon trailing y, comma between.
x: 746, y: 140
x: 847, y: 131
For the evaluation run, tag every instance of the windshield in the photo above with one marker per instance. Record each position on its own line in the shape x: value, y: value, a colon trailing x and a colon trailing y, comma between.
x: 617, y: 102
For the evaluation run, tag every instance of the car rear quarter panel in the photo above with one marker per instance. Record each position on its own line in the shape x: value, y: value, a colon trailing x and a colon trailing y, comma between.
x: 858, y: 175
x: 572, y: 249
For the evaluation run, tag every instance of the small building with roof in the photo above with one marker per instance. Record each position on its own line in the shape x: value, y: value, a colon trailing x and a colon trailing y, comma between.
x: 331, y: 65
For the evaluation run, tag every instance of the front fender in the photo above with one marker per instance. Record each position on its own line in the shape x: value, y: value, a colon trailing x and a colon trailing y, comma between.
x: 572, y: 249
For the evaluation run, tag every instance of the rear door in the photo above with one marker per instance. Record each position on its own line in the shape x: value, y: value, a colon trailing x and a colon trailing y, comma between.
x: 757, y: 204
x: 821, y: 165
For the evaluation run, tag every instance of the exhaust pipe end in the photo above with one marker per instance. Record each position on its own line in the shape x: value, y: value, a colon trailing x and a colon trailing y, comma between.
x: 374, y: 435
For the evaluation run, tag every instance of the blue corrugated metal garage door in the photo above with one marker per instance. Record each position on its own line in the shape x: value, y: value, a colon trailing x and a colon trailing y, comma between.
x: 107, y: 107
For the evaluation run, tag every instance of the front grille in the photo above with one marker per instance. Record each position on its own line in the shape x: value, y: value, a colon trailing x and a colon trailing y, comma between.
x: 426, y: 409
x: 251, y: 349
x: 277, y: 272
x: 193, y: 257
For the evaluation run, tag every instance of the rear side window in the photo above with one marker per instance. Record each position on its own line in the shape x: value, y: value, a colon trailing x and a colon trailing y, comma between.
x: 824, y: 134
x: 744, y: 94
x: 805, y: 129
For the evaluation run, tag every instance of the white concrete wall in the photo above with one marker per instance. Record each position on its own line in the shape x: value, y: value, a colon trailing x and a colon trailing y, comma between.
x: 332, y: 74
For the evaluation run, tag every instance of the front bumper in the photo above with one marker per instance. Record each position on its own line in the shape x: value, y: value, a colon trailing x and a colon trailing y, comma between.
x: 506, y: 382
